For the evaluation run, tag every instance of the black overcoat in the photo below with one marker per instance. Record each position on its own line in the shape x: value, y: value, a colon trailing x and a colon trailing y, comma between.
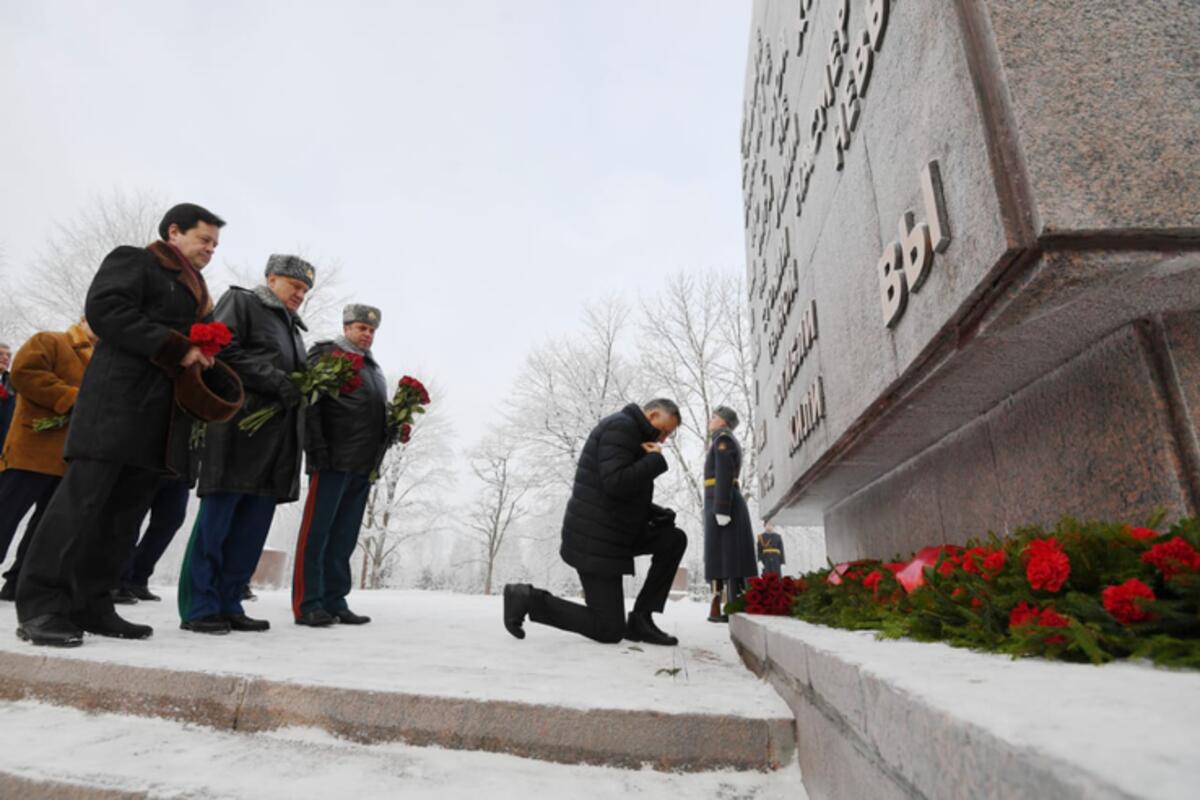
x: 728, y: 549
x: 348, y: 432
x: 770, y: 552
x: 613, y: 495
x: 267, y: 347
x: 142, y: 310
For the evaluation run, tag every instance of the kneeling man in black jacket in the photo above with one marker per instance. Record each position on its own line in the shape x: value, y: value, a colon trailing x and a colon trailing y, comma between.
x: 611, y: 518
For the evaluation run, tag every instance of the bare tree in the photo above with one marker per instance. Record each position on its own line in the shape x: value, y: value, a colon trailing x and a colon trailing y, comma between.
x: 54, y: 291
x: 408, y: 501
x: 500, y: 501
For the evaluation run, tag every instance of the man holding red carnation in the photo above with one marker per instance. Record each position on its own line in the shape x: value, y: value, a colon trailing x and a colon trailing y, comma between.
x: 242, y: 477
x: 344, y: 439
x: 126, y: 431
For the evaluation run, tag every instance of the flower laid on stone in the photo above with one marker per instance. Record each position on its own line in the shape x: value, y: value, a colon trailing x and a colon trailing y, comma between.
x: 331, y: 374
x: 210, y: 337
x: 1081, y: 592
x: 56, y: 423
x: 772, y: 594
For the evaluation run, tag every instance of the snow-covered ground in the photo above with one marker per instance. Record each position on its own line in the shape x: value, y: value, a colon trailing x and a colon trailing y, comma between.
x: 450, y: 645
x: 170, y: 760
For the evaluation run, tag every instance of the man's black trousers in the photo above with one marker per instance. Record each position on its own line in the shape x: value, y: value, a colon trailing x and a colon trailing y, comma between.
x: 603, y: 618
x: 21, y: 490
x: 83, y: 541
x: 167, y: 513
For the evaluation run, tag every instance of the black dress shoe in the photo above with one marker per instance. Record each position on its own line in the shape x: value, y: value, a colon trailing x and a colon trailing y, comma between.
x: 719, y: 618
x: 640, y: 628
x: 50, y: 630
x: 110, y: 623
x: 9, y: 591
x: 348, y: 617
x: 518, y: 602
x: 213, y: 623
x: 240, y: 622
x: 124, y: 597
x: 316, y: 619
x: 248, y: 593
x: 141, y: 592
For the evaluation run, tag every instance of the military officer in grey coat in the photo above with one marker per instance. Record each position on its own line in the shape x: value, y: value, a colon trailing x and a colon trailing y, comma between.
x: 729, y: 556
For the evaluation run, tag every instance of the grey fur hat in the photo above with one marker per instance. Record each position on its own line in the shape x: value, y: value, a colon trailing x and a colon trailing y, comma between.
x: 729, y: 415
x: 291, y: 267
x: 358, y: 312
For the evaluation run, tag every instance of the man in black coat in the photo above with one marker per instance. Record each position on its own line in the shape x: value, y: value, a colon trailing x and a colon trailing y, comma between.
x: 126, y: 430
x: 345, y: 437
x: 243, y: 476
x: 729, y: 556
x: 611, y: 517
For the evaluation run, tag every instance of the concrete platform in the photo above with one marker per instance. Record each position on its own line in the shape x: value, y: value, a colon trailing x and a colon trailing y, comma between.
x: 902, y: 719
x: 432, y: 669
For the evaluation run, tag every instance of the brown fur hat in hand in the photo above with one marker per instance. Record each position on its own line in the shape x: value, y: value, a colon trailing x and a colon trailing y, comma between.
x: 210, y: 395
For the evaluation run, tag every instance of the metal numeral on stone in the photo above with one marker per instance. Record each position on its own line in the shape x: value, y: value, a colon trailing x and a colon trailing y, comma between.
x: 918, y: 255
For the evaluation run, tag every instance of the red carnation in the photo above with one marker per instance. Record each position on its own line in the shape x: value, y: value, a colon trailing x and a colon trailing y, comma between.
x: 1022, y: 614
x: 3, y: 393
x: 1173, y: 557
x: 1122, y: 601
x: 993, y: 563
x: 1141, y: 534
x: 351, y: 384
x: 210, y: 337
x: 1047, y: 566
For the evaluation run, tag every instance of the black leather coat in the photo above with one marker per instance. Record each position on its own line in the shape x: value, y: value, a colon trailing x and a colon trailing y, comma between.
x: 267, y: 346
x: 347, y: 433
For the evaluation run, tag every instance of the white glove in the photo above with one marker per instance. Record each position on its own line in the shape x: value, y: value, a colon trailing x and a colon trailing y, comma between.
x: 724, y: 519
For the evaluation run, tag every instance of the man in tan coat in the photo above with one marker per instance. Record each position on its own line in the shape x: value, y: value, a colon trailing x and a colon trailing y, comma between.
x: 46, y: 373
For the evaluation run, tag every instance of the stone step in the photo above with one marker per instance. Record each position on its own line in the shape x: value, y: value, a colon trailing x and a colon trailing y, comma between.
x: 910, y: 720
x: 433, y: 669
x: 51, y: 751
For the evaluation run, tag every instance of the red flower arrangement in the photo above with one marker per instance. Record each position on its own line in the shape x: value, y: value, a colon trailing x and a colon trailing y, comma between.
x: 410, y: 399
x: 211, y: 337
x: 772, y: 594
x: 1122, y: 601
x: 1046, y: 565
x: 1173, y: 557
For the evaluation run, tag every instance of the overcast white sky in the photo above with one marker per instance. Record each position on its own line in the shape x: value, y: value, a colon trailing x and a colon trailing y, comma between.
x: 482, y: 169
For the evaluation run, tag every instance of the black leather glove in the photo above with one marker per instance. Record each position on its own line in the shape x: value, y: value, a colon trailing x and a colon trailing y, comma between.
x: 289, y: 395
x: 661, y: 517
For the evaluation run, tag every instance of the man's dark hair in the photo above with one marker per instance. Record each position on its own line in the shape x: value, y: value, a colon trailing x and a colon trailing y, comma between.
x: 664, y: 405
x: 187, y: 216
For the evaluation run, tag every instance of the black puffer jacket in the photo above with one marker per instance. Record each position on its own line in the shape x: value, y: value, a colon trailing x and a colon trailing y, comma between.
x: 347, y: 433
x: 612, y: 500
x: 141, y: 308
x: 267, y: 347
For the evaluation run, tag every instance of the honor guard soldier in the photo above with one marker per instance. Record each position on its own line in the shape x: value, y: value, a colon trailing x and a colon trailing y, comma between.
x: 345, y: 439
x: 729, y: 556
x: 770, y: 550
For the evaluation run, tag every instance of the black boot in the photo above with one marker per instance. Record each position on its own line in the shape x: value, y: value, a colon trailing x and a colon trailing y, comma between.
x: 518, y: 603
x: 240, y: 622
x: 110, y: 623
x: 8, y: 591
x: 50, y: 630
x: 141, y: 592
x: 348, y: 617
x: 641, y: 628
x: 213, y: 623
x: 316, y: 619
x: 248, y: 593
x: 124, y: 597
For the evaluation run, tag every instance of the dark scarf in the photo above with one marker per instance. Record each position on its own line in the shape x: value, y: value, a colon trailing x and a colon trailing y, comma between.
x: 171, y: 258
x: 350, y: 347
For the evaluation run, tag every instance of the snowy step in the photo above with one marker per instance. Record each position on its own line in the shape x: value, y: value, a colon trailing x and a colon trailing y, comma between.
x: 71, y: 753
x: 432, y: 669
x: 906, y: 719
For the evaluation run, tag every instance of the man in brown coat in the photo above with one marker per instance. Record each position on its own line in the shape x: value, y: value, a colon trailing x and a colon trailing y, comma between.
x: 46, y: 372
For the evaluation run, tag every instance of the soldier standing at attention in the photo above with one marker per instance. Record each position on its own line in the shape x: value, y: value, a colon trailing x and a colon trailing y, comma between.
x: 770, y: 550
x: 344, y: 440
x: 729, y: 556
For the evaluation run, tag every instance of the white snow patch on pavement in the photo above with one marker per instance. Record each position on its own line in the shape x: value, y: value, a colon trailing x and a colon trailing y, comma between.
x: 171, y: 760
x: 449, y: 645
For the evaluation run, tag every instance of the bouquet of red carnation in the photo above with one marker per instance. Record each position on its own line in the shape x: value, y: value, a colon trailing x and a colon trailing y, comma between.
x: 771, y: 594
x: 331, y: 374
x: 4, y: 395
x: 410, y: 399
x: 210, y: 337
